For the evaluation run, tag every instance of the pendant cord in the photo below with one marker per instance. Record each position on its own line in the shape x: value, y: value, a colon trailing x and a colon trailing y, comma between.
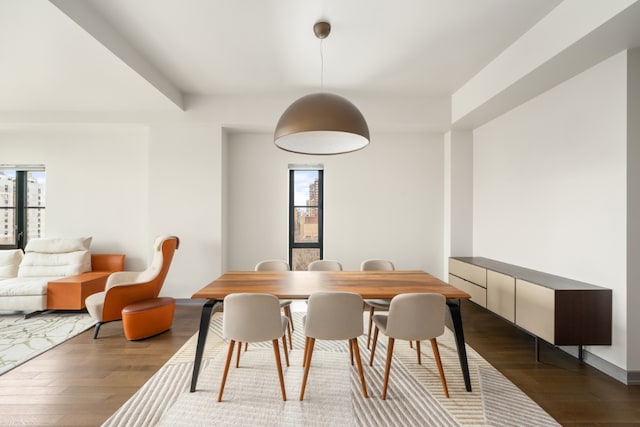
x: 321, y: 68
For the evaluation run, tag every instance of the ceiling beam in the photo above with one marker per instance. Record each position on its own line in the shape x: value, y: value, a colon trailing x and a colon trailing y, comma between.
x: 559, y: 47
x: 95, y: 25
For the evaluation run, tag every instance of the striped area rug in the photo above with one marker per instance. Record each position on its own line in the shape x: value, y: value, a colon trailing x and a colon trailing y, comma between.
x: 333, y: 395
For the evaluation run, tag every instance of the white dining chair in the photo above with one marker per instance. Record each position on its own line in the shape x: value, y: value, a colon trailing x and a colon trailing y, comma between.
x: 333, y: 316
x: 285, y: 304
x: 324, y: 265
x: 417, y: 316
x: 250, y: 317
x: 272, y: 265
x: 380, y: 304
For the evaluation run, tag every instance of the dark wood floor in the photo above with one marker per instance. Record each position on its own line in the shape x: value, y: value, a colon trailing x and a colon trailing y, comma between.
x: 574, y: 394
x: 82, y: 382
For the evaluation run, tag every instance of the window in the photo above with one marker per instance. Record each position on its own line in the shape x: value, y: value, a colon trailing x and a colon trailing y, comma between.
x: 22, y: 204
x: 305, y: 215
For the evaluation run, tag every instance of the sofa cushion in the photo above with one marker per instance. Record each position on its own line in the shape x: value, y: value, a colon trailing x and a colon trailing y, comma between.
x: 56, y: 257
x: 9, y: 262
x: 37, y: 264
x: 24, y: 286
x: 58, y: 245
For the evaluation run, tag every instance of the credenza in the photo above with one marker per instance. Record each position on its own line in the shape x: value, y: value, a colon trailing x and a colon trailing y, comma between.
x: 555, y: 309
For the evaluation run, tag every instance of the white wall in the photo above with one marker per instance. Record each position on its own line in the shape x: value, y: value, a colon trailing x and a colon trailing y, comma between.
x: 96, y: 182
x: 125, y: 178
x: 385, y: 201
x: 185, y: 193
x: 550, y: 187
x: 257, y: 191
x: 458, y: 195
x: 125, y: 184
x: 633, y: 206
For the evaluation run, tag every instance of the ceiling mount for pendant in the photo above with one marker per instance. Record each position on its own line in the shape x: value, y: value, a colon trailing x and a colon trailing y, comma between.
x: 322, y: 29
x: 322, y: 123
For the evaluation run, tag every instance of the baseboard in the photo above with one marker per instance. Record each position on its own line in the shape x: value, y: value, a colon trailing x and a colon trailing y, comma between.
x: 606, y: 367
x: 633, y: 377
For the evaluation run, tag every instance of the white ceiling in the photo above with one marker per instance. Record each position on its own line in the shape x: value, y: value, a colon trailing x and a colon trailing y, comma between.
x: 121, y: 55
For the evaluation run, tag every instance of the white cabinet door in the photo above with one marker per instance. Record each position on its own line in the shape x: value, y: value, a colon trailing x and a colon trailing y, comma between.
x: 478, y: 293
x: 535, y: 309
x: 501, y: 296
x: 469, y: 272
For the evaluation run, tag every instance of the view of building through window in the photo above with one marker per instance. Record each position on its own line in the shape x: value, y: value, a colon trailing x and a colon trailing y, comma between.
x: 22, y: 206
x: 305, y: 243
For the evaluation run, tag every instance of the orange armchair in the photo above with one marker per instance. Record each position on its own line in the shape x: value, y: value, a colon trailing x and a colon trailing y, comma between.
x: 127, y: 287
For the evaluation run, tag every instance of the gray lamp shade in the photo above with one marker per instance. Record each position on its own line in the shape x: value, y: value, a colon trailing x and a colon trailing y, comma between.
x: 322, y: 123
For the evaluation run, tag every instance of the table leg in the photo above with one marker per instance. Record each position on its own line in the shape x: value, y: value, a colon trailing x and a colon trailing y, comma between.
x: 205, y: 319
x: 456, y: 320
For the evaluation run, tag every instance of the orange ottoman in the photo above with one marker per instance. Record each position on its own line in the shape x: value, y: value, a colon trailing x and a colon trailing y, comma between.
x: 147, y: 318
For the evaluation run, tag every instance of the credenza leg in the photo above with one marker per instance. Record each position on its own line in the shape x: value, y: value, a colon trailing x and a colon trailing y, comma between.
x: 205, y: 319
x: 456, y: 321
x: 537, y: 350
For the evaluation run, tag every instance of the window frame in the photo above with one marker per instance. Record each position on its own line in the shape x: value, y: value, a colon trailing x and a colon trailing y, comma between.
x: 292, y: 209
x: 21, y: 207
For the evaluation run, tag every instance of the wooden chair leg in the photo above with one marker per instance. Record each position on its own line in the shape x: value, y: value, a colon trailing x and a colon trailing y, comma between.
x: 276, y: 350
x: 238, y: 354
x: 411, y: 344
x: 304, y: 355
x: 290, y: 316
x: 354, y: 342
x: 286, y: 351
x: 371, y: 310
x: 226, y: 369
x: 246, y: 346
x: 351, y: 352
x: 373, y: 347
x: 289, y: 329
x: 436, y: 354
x: 418, y: 350
x: 307, y: 366
x: 387, y: 368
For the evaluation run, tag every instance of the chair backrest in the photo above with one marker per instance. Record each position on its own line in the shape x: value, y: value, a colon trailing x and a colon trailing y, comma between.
x: 418, y: 316
x: 377, y: 264
x: 272, y: 265
x: 163, y: 249
x: 249, y: 317
x: 324, y: 265
x: 149, y: 282
x: 334, y: 316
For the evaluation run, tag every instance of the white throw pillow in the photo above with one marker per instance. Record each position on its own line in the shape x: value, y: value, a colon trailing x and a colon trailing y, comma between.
x: 58, y: 245
x: 37, y: 264
x: 9, y: 262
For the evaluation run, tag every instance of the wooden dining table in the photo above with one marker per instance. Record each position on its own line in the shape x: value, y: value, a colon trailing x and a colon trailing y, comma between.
x: 301, y: 284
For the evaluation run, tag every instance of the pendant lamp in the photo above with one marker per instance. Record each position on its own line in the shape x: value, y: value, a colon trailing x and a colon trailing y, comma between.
x: 322, y: 123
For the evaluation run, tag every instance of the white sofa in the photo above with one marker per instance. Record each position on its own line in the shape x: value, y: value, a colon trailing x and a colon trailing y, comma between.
x: 24, y: 277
